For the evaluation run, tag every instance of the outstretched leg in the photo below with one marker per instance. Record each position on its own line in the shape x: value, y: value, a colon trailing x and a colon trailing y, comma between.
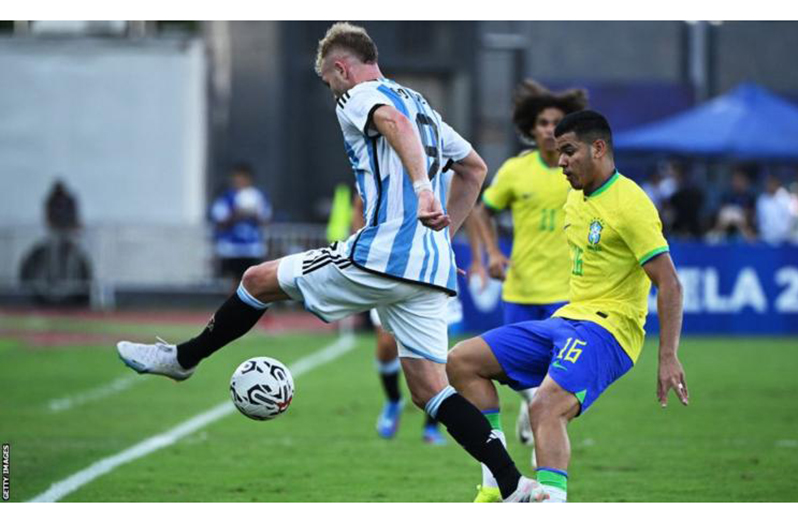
x: 259, y: 287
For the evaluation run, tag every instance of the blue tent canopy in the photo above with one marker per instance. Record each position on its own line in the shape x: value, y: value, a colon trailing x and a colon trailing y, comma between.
x: 747, y: 123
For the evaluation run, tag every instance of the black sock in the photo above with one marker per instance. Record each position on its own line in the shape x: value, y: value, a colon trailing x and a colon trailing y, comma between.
x: 232, y: 320
x: 469, y: 427
x: 429, y: 421
x: 390, y: 383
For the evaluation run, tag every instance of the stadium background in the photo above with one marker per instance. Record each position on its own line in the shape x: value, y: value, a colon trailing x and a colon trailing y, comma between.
x: 142, y: 121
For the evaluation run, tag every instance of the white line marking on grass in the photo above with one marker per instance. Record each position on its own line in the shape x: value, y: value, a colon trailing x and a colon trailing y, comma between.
x: 159, y: 441
x: 103, y: 391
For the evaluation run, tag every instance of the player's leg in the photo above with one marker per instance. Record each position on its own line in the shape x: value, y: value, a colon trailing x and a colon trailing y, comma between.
x: 471, y: 368
x: 430, y: 390
x: 258, y: 288
x: 550, y: 411
x: 315, y: 277
x: 586, y: 359
x: 420, y: 330
x: 517, y: 355
x: 516, y: 313
x: 388, y: 367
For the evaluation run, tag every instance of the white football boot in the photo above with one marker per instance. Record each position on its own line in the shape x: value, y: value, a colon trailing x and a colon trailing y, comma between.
x: 158, y: 358
x: 528, y: 491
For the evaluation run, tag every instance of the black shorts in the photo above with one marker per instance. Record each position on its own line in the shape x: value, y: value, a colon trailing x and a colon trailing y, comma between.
x: 235, y: 267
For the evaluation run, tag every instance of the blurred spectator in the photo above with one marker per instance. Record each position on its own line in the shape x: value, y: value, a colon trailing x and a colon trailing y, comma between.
x: 56, y: 270
x: 794, y: 206
x: 736, y: 214
x: 683, y: 209
x: 774, y: 213
x: 237, y: 216
x: 661, y: 184
x: 61, y: 209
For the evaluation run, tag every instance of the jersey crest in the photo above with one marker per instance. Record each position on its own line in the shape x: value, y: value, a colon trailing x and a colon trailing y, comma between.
x: 594, y: 236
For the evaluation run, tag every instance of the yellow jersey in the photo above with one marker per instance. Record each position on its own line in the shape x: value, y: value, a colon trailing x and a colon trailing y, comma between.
x: 535, y: 194
x: 611, y: 234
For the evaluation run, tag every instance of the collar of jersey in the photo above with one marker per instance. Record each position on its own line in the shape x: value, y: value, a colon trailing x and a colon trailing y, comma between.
x: 605, y: 185
x: 544, y: 164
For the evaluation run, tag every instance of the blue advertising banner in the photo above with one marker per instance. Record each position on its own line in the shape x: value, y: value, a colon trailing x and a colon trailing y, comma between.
x: 728, y: 289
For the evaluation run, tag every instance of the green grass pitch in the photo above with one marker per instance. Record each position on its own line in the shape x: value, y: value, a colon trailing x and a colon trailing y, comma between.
x: 737, y: 441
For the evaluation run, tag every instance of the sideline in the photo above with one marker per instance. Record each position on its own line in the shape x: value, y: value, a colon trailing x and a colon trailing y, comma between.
x: 95, y: 394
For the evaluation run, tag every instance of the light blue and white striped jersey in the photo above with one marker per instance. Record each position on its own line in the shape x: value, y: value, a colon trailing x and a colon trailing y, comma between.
x: 393, y: 242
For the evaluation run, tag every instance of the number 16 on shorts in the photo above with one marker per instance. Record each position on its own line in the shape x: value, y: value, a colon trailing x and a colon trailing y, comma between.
x: 571, y: 350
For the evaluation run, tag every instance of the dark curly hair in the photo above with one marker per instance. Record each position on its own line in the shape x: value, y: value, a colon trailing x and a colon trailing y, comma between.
x: 531, y: 99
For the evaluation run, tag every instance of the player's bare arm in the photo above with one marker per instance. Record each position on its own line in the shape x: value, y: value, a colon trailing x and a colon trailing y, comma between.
x: 402, y: 137
x: 469, y: 175
x: 669, y: 308
x: 475, y: 242
x: 486, y: 224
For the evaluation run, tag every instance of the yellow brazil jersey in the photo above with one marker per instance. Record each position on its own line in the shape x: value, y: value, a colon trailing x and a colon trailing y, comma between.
x: 611, y: 234
x: 535, y: 194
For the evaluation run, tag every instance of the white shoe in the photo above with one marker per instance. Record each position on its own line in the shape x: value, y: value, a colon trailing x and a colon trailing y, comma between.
x: 528, y: 491
x: 159, y: 358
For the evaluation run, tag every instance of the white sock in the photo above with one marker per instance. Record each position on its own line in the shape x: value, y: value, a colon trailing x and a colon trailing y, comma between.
x: 528, y: 394
x: 556, y: 495
x: 487, y: 477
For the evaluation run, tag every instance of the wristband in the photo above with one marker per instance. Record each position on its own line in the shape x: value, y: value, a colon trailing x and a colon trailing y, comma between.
x: 422, y: 185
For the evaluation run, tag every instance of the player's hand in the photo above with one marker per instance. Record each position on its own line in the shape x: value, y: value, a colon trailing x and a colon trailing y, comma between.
x: 477, y: 269
x: 430, y: 213
x: 671, y: 376
x: 497, y: 266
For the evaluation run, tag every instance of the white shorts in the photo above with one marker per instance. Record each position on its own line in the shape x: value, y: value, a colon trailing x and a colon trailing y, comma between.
x: 332, y: 288
x: 454, y: 313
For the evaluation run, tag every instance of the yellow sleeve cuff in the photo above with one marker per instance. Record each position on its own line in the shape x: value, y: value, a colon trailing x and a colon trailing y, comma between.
x: 490, y: 204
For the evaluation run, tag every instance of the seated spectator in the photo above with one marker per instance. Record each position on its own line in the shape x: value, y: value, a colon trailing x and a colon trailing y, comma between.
x: 683, y: 208
x: 735, y: 217
x: 61, y: 209
x: 774, y: 213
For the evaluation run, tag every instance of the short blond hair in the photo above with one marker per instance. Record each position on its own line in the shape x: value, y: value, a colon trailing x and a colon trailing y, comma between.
x: 347, y: 36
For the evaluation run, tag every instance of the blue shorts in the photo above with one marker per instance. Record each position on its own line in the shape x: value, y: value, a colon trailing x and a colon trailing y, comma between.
x: 518, y: 312
x: 581, y: 356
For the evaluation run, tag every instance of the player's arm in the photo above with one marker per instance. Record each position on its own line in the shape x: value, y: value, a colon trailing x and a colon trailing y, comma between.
x: 486, y: 224
x: 469, y: 175
x: 662, y: 273
x: 221, y: 215
x: 358, y: 220
x: 475, y: 242
x: 402, y: 137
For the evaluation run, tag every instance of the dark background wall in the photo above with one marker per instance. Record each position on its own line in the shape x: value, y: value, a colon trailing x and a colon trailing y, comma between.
x: 281, y: 118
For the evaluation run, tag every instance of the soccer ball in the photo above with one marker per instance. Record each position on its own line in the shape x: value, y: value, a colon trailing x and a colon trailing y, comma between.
x: 262, y: 388
x: 247, y: 200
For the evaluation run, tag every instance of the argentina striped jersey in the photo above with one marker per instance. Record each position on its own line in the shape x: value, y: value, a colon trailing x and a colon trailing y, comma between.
x: 393, y: 242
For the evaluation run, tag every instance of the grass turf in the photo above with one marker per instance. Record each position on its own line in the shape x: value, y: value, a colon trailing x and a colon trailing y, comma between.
x: 737, y: 441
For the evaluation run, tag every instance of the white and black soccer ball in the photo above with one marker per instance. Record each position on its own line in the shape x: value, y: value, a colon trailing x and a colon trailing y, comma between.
x: 262, y: 388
